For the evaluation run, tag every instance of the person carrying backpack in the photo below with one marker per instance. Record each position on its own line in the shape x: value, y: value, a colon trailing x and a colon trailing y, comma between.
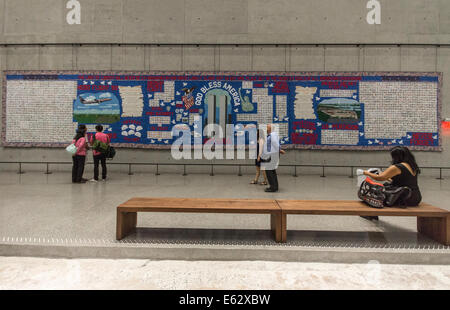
x: 100, y: 145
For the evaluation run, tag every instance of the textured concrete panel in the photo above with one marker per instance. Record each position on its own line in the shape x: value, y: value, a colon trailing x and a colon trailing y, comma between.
x: 342, y: 58
x: 199, y: 58
x: 101, y: 22
x: 287, y: 16
x: 344, y: 21
x: 153, y: 21
x: 2, y: 67
x: 216, y: 17
x: 443, y: 65
x: 403, y: 18
x: 418, y: 58
x: 444, y: 21
x: 235, y: 58
x: 165, y: 58
x: 269, y: 58
x: 2, y: 58
x: 381, y: 58
x: 56, y: 58
x: 24, y: 17
x: 107, y: 15
x: 306, y: 58
x: 2, y: 20
x: 225, y: 22
x: 306, y: 21
x: 22, y: 57
x: 130, y: 57
x: 91, y: 57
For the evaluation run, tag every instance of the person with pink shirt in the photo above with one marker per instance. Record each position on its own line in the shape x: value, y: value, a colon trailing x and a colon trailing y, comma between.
x: 79, y: 159
x: 99, y: 157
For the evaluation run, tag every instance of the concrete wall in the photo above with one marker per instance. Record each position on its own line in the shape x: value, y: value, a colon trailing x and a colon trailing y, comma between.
x: 287, y: 35
x: 225, y: 21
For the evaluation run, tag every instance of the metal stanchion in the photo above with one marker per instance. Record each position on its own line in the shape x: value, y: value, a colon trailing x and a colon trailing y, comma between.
x: 184, y: 170
x: 129, y: 170
x: 440, y: 175
x: 157, y: 169
x: 240, y: 173
x: 323, y: 172
x: 48, y: 171
x: 351, y: 174
x: 212, y: 171
x: 20, y: 169
x: 295, y: 172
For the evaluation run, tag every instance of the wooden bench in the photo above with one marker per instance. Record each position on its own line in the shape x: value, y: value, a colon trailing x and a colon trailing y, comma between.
x: 431, y: 221
x: 127, y: 212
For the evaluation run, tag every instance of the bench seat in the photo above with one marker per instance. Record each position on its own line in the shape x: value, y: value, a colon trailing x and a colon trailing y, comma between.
x: 431, y: 221
x: 127, y: 212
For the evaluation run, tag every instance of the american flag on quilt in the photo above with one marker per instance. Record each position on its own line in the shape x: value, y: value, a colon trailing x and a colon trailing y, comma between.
x: 188, y: 101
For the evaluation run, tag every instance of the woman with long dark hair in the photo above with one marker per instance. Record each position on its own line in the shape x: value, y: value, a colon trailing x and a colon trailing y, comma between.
x: 79, y: 159
x: 403, y: 172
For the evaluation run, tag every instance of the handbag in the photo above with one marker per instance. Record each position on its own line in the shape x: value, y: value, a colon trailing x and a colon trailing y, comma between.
x: 72, y: 149
x: 372, y: 193
x: 378, y: 195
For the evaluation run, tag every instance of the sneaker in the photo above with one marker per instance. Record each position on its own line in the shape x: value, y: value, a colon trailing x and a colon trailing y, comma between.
x: 93, y: 180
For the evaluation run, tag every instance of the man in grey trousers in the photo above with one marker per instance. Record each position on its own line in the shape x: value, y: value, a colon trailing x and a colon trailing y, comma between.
x: 270, y: 158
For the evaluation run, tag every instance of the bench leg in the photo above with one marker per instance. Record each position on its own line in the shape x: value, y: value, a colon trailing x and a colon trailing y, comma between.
x: 126, y: 224
x: 276, y: 224
x: 436, y: 228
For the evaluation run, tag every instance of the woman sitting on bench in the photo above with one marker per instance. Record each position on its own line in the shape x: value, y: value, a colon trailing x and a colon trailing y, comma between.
x: 403, y: 173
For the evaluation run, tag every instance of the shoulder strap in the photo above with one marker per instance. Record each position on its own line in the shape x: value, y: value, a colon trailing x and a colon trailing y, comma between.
x: 400, y: 166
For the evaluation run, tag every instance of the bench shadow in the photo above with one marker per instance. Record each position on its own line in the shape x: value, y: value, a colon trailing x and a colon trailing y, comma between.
x: 201, y: 236
x: 404, y: 239
x: 359, y: 239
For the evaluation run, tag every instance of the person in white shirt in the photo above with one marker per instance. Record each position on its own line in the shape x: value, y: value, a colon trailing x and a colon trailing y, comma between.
x: 270, y: 158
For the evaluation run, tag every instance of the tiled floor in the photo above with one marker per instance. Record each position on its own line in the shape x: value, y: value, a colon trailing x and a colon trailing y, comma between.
x: 35, y: 205
x: 48, y: 209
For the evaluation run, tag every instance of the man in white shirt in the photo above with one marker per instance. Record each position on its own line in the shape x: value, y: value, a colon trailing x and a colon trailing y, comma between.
x: 270, y: 158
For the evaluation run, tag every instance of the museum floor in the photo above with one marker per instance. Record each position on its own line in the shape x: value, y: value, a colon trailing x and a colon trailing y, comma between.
x: 136, y: 274
x: 47, y: 216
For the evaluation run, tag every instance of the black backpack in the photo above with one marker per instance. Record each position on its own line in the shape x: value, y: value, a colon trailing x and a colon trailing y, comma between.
x: 111, y: 152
